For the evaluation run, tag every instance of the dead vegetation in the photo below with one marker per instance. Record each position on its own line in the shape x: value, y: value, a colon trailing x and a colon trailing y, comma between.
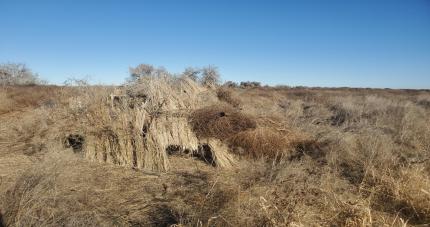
x: 226, y: 95
x: 261, y: 142
x: 16, y: 98
x: 167, y: 151
x: 17, y: 74
x: 220, y: 121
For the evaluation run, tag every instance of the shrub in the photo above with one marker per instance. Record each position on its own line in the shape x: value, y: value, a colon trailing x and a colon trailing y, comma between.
x: 140, y: 71
x: 17, y: 74
x: 210, y: 76
x: 145, y: 71
x: 247, y: 84
x: 230, y: 84
x: 219, y: 122
x: 192, y: 73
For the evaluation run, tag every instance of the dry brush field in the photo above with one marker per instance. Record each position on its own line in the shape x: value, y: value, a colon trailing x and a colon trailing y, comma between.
x: 167, y: 151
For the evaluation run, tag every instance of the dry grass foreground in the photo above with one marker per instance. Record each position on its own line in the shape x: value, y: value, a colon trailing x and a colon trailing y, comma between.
x: 166, y: 151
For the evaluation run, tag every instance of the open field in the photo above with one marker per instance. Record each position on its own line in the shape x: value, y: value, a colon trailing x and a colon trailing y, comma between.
x: 170, y: 152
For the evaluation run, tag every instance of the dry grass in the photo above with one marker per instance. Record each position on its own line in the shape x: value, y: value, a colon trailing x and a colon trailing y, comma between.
x: 226, y: 95
x: 63, y: 189
x: 345, y: 157
x: 16, y: 98
x: 140, y: 129
x: 220, y: 121
x: 261, y: 142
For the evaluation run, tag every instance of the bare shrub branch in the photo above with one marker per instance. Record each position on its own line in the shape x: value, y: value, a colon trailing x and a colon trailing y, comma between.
x: 210, y: 76
x: 17, y: 74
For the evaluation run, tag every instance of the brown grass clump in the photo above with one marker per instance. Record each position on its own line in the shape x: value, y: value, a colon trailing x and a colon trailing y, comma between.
x: 413, y: 188
x: 220, y: 122
x: 226, y: 95
x: 215, y: 152
x: 16, y: 98
x: 260, y: 142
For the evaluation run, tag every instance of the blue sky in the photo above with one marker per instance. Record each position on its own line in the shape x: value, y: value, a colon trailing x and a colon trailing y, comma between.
x: 361, y: 43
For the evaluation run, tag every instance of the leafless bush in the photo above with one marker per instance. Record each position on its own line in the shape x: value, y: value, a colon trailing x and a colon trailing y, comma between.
x: 210, y: 76
x: 248, y: 84
x: 77, y: 82
x: 230, y: 84
x: 17, y: 74
x: 192, y: 73
x: 146, y: 70
x: 140, y: 71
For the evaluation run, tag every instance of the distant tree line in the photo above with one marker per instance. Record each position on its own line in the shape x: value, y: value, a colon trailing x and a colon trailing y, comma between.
x: 243, y: 84
x: 207, y: 76
x: 20, y: 74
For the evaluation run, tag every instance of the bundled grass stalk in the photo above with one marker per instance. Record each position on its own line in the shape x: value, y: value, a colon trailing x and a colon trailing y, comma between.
x: 220, y: 153
x: 139, y: 136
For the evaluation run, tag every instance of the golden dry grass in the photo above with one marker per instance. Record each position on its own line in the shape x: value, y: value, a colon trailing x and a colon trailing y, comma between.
x: 220, y: 121
x: 261, y: 142
x: 351, y: 157
x: 16, y: 98
x: 226, y: 95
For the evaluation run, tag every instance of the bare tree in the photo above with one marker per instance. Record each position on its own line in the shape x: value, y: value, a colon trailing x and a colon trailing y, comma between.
x: 210, y: 76
x: 160, y: 72
x: 145, y: 70
x: 192, y: 73
x: 17, y: 74
x: 141, y: 71
x: 207, y: 76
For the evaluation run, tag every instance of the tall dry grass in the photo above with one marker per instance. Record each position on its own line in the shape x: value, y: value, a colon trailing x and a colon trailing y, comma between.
x: 350, y: 157
x: 17, y: 98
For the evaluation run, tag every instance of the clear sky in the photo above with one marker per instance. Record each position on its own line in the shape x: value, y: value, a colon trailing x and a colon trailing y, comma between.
x: 358, y: 43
